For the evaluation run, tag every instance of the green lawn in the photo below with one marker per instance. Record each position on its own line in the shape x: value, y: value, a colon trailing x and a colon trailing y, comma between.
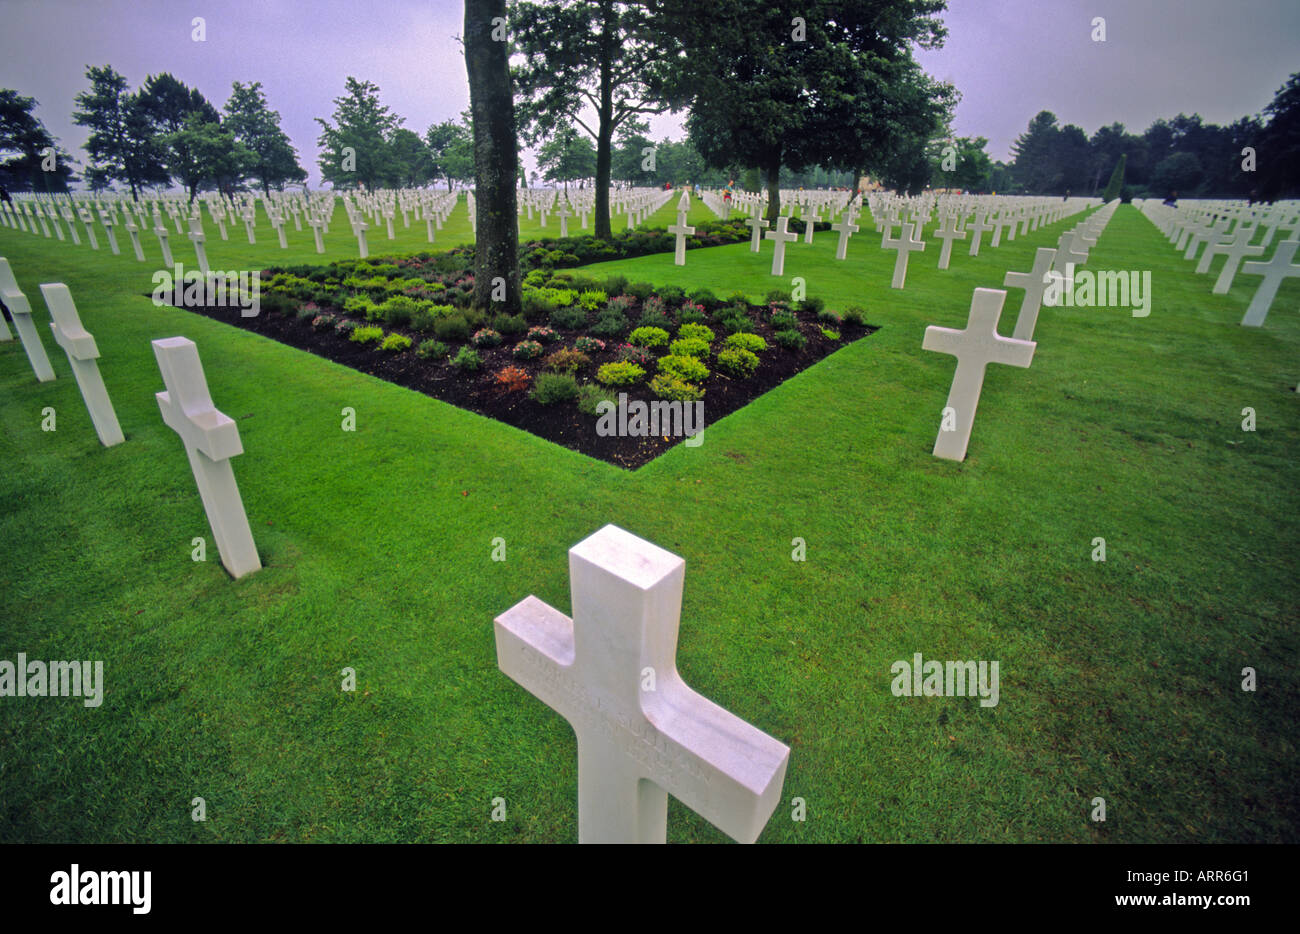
x: 1119, y: 680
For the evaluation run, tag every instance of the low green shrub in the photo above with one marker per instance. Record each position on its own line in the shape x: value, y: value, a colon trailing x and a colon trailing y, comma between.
x: 687, y: 369
x: 432, y: 350
x: 610, y: 324
x: 648, y: 337
x: 790, y: 339
x: 620, y: 374
x: 830, y: 334
x: 550, y: 388
x: 467, y: 360
x: 751, y: 342
x: 591, y: 395
x: 784, y: 320
x: 395, y: 343
x: 690, y: 347
x: 855, y: 315
x: 451, y: 328
x: 569, y: 319
x: 674, y: 389
x: 509, y: 325
x: 697, y: 332
x: 737, y: 362
x: 366, y: 334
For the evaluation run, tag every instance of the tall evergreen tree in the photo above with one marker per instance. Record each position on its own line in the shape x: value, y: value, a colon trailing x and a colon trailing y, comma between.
x: 1115, y: 186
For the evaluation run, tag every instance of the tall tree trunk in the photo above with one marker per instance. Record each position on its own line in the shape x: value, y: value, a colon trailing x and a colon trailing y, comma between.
x: 605, y: 125
x: 773, y: 189
x: 496, y: 159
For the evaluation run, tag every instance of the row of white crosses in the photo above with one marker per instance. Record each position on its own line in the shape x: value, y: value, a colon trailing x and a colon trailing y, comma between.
x: 1229, y: 229
x: 979, y: 344
x: 210, y: 437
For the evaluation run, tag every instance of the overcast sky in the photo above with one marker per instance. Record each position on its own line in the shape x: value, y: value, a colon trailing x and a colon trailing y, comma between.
x: 1009, y: 58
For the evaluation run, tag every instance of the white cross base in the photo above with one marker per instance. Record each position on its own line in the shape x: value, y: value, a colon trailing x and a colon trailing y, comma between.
x: 975, y: 347
x: 82, y: 354
x: 637, y: 745
x: 210, y: 439
x: 21, y: 311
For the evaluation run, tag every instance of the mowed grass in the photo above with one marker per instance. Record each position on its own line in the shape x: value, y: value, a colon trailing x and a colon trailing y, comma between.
x: 1118, y: 680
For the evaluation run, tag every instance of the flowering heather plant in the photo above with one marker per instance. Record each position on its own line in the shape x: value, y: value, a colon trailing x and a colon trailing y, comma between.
x: 589, y: 345
x: 320, y: 322
x: 692, y: 309
x: 543, y: 334
x: 485, y: 338
x: 528, y: 350
x: 629, y: 353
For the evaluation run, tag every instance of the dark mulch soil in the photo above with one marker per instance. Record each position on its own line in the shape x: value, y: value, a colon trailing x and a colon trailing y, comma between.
x: 560, y: 423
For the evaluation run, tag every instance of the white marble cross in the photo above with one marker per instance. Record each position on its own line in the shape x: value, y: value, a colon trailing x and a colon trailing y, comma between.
x: 904, y: 243
x: 975, y: 347
x: 197, y: 236
x: 82, y: 353
x: 681, y: 231
x: 756, y: 224
x: 846, y: 228
x: 948, y: 231
x: 163, y: 234
x: 315, y: 226
x: 21, y: 311
x: 1274, y: 271
x: 978, y: 227
x: 780, y: 236
x: 359, y: 228
x: 70, y: 220
x: 210, y: 439
x: 134, y: 233
x: 1235, y: 252
x: 87, y: 221
x: 1034, y: 283
x: 1004, y: 220
x: 563, y: 214
x: 1069, y: 252
x: 107, y: 221
x: 643, y: 734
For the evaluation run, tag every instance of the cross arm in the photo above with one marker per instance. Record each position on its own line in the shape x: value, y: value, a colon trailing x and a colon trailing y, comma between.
x: 737, y: 770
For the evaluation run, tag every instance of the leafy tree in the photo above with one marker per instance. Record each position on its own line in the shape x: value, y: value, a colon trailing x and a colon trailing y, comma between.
x: 220, y: 160
x: 23, y: 143
x: 1278, y: 148
x: 585, y: 53
x: 1179, y: 172
x: 175, y: 112
x: 355, y: 146
x: 496, y: 158
x: 257, y: 128
x: 841, y: 90
x: 451, y: 150
x: 411, y: 163
x: 970, y: 164
x: 567, y: 157
x: 123, y: 143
